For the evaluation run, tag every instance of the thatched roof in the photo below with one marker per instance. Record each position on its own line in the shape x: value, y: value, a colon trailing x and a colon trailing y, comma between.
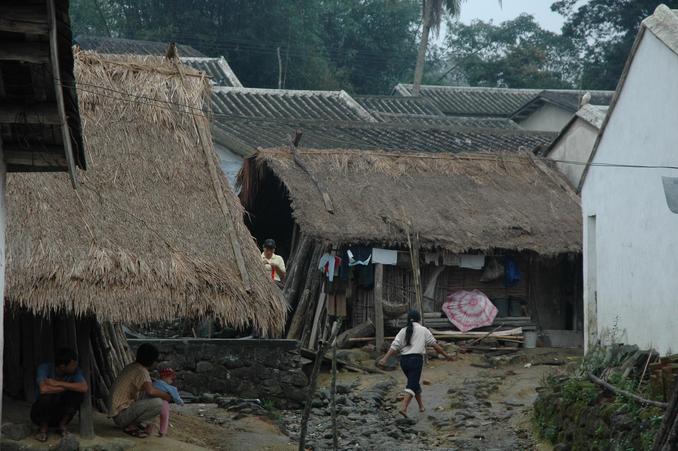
x: 150, y: 232
x: 461, y: 202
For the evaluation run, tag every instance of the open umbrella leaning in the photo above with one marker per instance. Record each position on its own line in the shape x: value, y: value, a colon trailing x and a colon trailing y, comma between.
x: 469, y: 310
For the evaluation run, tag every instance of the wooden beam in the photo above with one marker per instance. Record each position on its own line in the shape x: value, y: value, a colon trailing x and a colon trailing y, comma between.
x: 86, y: 417
x: 378, y: 309
x: 56, y: 75
x: 38, y: 113
x: 28, y: 52
x: 23, y: 19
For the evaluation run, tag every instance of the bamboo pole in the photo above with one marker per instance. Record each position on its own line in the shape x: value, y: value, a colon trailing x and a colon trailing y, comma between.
x: 313, y: 384
x: 333, y: 392
x: 619, y: 391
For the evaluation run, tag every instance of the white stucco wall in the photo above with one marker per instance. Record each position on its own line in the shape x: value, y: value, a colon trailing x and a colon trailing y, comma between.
x: 632, y: 288
x: 229, y: 162
x: 575, y: 145
x: 548, y: 118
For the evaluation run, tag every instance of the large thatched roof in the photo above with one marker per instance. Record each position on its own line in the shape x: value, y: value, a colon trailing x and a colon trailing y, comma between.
x: 151, y: 231
x: 458, y: 202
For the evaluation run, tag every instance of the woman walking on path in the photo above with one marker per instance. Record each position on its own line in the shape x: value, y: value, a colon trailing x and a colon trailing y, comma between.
x: 411, y: 343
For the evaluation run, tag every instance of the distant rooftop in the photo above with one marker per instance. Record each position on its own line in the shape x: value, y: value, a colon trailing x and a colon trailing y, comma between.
x: 217, y: 69
x: 287, y: 104
x: 244, y: 136
x: 501, y: 102
x: 123, y: 46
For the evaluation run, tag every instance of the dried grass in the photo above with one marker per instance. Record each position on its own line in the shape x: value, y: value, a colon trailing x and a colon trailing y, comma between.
x: 459, y: 202
x: 143, y: 237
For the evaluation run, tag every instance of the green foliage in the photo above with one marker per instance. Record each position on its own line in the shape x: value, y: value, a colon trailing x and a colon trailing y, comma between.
x: 576, y: 390
x: 603, y: 31
x: 517, y: 54
x: 364, y: 46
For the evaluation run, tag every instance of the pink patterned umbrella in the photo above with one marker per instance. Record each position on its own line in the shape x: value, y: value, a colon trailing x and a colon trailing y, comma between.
x: 469, y: 309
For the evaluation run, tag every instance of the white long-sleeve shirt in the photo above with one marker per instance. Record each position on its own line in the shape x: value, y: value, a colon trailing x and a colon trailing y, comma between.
x: 421, y: 337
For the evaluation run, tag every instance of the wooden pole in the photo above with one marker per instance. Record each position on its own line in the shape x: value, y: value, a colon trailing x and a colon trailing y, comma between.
x: 333, y: 393
x: 619, y: 391
x: 322, y: 347
x: 378, y: 309
x: 413, y: 244
x: 86, y: 418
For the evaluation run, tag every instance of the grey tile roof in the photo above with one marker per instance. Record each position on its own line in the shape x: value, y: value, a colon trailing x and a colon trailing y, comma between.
x: 502, y: 102
x: 217, y: 69
x: 447, y: 121
x: 131, y: 46
x: 244, y: 136
x: 467, y: 101
x: 287, y: 104
x: 399, y: 105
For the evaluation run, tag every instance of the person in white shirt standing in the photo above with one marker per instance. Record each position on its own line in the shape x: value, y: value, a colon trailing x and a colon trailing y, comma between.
x: 411, y: 343
x: 273, y: 263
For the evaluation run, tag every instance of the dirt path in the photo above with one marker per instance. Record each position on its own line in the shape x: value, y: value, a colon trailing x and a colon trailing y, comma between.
x: 467, y: 407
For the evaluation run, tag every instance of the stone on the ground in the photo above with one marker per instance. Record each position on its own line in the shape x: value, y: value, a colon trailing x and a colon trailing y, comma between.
x: 68, y: 442
x: 16, y: 431
x: 113, y: 445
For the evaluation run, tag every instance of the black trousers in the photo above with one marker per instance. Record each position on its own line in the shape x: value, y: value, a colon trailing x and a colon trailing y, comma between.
x: 55, y: 408
x: 412, y: 365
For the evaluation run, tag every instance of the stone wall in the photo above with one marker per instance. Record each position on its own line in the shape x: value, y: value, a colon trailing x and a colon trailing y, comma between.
x: 270, y: 370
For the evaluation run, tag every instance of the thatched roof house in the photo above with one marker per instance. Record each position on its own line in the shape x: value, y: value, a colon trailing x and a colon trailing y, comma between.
x: 435, y: 212
x: 454, y: 202
x: 153, y: 231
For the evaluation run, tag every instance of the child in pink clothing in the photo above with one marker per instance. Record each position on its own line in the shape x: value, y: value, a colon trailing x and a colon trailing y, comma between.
x: 166, y: 384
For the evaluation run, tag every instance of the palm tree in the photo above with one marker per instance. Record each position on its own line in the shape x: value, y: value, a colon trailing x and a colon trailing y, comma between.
x: 432, y: 15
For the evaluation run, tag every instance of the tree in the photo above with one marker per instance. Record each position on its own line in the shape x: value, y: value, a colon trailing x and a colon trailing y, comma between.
x: 363, y: 46
x: 517, y: 54
x: 431, y: 18
x: 603, y: 32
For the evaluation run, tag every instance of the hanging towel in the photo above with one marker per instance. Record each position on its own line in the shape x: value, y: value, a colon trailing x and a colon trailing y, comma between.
x: 384, y: 256
x: 472, y: 261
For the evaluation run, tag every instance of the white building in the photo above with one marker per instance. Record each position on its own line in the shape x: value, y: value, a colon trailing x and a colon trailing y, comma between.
x: 573, y: 147
x: 630, y: 233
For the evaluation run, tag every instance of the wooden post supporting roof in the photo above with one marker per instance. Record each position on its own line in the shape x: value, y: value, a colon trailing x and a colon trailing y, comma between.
x: 86, y: 418
x: 378, y: 309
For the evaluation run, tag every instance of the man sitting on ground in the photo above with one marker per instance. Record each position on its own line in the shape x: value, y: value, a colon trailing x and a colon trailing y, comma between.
x: 61, y: 387
x: 135, y: 403
x: 273, y: 263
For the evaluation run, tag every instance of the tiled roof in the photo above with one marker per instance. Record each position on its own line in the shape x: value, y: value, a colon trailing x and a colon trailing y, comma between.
x: 217, y: 69
x: 244, y: 136
x: 287, y: 104
x: 502, y: 102
x: 466, y: 101
x: 398, y: 105
x: 447, y: 121
x: 132, y: 46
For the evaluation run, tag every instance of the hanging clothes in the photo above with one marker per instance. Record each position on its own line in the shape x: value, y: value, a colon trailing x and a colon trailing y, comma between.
x: 330, y: 266
x: 359, y: 255
x: 512, y: 274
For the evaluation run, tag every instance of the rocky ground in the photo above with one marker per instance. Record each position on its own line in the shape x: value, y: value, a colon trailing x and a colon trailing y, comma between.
x: 473, y: 403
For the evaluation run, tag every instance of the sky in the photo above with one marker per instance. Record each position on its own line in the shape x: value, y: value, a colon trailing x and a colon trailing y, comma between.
x: 490, y: 10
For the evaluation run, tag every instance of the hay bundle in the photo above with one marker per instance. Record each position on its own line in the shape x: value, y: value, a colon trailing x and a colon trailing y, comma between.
x: 143, y: 238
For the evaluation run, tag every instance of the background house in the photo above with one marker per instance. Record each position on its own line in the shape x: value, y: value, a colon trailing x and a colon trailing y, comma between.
x: 572, y: 148
x: 630, y: 238
x: 490, y: 205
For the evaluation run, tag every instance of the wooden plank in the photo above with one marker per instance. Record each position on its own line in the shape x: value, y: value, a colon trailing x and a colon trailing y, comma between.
x: 56, y: 76
x: 316, y: 319
x: 85, y: 360
x: 378, y: 309
x: 23, y: 19
x: 27, y: 52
